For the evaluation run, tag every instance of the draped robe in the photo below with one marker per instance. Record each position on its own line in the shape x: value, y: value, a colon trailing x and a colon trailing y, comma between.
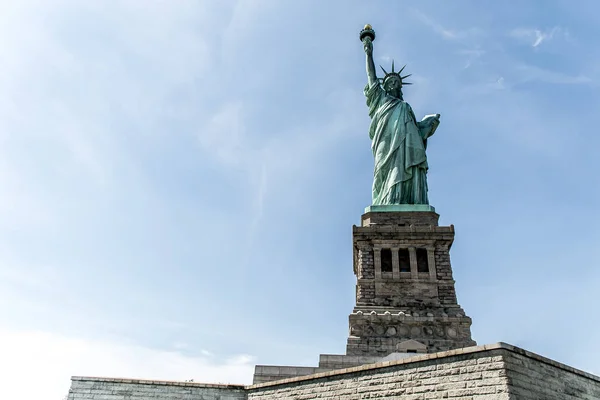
x: 398, y: 142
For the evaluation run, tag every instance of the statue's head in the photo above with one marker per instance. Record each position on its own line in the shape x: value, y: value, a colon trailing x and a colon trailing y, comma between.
x: 393, y: 86
x: 392, y: 82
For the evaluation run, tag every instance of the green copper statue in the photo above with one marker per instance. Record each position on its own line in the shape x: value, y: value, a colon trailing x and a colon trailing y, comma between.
x: 398, y: 139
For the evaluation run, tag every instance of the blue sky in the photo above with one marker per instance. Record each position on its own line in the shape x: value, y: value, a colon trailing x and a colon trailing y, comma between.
x: 179, y: 179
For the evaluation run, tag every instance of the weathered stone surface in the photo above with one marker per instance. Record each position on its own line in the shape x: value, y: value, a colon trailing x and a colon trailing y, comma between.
x: 268, y: 373
x: 534, y: 377
x: 420, y: 304
x: 416, y: 218
x: 493, y: 372
x: 88, y: 388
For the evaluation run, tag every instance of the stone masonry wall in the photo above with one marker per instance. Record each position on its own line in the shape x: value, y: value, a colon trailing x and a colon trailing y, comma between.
x: 532, y: 377
x: 395, y: 306
x: 493, y: 372
x: 446, y: 293
x: 471, y: 375
x: 85, y: 388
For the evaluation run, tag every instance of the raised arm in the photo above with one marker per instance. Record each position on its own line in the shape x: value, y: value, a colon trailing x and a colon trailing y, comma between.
x: 371, y: 74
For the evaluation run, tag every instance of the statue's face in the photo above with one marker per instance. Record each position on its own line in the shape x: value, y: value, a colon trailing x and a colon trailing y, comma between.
x: 392, y: 86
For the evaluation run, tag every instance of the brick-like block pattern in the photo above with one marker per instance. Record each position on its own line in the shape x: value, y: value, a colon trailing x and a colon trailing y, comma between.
x: 365, y: 292
x: 492, y: 372
x: 268, y: 373
x: 84, y: 388
x: 416, y: 218
x: 532, y: 377
x: 446, y: 292
x: 429, y: 297
x: 366, y: 264
x: 463, y: 376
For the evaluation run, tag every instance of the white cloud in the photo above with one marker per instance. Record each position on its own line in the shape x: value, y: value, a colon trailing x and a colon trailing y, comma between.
x: 500, y: 83
x: 39, y: 365
x: 444, y: 32
x: 206, y: 353
x: 224, y: 137
x: 471, y: 56
x: 437, y: 27
x: 536, y: 37
x: 526, y: 73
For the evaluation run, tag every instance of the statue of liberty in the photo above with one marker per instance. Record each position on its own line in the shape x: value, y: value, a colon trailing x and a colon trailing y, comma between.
x: 398, y: 140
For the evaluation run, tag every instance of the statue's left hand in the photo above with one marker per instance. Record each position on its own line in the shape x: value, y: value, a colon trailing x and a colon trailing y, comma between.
x: 428, y: 125
x: 431, y: 119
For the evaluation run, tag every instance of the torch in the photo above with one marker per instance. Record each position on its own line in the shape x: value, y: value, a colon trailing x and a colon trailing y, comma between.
x: 367, y: 32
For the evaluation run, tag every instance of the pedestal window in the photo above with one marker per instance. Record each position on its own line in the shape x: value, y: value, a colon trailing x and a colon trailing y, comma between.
x: 404, y: 260
x: 422, y: 260
x: 386, y: 260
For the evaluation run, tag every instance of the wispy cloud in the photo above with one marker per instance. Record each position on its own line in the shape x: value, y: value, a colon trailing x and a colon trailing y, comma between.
x: 528, y: 73
x: 471, y: 55
x: 443, y: 31
x: 437, y: 27
x: 524, y: 73
x: 535, y: 37
x: 224, y: 136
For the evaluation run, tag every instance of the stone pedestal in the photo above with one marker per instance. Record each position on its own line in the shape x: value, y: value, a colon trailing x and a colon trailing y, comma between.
x: 405, y: 297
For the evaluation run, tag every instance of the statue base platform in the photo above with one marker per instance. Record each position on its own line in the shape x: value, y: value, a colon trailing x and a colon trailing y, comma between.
x: 400, y: 215
x: 400, y: 208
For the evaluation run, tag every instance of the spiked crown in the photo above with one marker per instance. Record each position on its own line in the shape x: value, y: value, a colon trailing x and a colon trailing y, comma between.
x: 394, y: 74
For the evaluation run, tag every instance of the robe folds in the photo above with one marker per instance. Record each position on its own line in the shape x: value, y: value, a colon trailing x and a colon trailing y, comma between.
x: 398, y: 142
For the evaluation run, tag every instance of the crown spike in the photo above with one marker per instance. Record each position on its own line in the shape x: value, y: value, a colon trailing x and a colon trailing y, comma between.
x: 402, y: 69
x: 406, y: 83
x: 392, y: 66
x: 406, y: 76
x: 384, y: 71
